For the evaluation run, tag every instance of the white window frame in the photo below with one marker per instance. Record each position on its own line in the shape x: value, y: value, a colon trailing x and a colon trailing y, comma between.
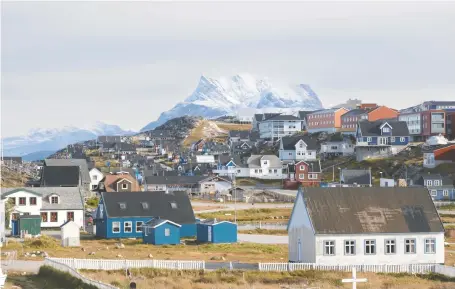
x: 125, y: 226
x: 302, y: 176
x: 445, y: 193
x: 349, y: 247
x: 412, y: 246
x: 429, y: 182
x: 116, y: 224
x: 52, y: 200
x: 392, y: 139
x: 385, y: 129
x: 302, y: 168
x: 434, y: 193
x: 390, y: 246
x: 141, y: 226
x: 329, y: 248
x: 369, y: 139
x: 19, y: 201
x: 402, y: 139
x: 436, y: 183
x: 167, y: 232
x: 124, y: 186
x: 430, y: 244
x: 371, y: 244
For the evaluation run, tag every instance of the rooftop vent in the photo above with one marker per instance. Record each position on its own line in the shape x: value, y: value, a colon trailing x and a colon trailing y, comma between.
x: 145, y: 205
x: 173, y: 205
x: 122, y: 206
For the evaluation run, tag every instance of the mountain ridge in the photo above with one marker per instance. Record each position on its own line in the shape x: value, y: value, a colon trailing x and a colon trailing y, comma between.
x: 215, y: 97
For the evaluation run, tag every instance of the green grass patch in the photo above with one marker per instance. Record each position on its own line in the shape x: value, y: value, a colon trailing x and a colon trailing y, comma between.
x: 250, y: 215
x: 264, y: 232
x: 92, y: 202
x: 64, y: 279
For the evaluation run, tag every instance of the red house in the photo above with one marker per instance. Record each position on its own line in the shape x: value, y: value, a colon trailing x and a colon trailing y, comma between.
x: 308, y: 173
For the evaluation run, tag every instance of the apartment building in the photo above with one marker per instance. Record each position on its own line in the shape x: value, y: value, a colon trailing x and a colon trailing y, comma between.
x: 370, y: 112
x: 328, y: 120
x: 277, y: 126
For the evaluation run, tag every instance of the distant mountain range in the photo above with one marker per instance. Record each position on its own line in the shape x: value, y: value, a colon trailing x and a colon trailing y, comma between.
x: 40, y: 143
x: 225, y: 96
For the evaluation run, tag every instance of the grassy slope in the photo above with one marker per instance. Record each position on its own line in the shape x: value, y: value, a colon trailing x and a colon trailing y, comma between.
x: 11, y: 179
x: 281, y: 214
x: 199, y: 131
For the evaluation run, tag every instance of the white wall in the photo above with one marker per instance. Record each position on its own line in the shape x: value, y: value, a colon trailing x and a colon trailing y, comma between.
x: 264, y: 173
x: 380, y: 258
x: 154, y: 187
x: 300, y: 228
x: 305, y: 155
x: 95, y: 173
x: 32, y: 210
x: 61, y: 218
x: 383, y: 182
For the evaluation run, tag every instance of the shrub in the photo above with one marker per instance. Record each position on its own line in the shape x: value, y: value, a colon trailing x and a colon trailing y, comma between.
x: 93, y: 202
x: 42, y: 242
x: 116, y: 283
x: 65, y: 279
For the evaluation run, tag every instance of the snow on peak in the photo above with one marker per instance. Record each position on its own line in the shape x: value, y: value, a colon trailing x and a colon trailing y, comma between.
x: 214, y: 97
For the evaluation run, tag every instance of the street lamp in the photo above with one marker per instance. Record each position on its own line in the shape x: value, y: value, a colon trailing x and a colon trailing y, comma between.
x: 340, y: 175
x: 381, y: 174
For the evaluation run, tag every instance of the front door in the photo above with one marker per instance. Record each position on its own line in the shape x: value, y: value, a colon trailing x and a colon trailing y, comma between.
x: 209, y: 233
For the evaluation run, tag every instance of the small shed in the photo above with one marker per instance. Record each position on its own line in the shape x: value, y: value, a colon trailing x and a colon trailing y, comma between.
x: 26, y: 224
x: 161, y: 232
x: 70, y: 234
x: 211, y: 231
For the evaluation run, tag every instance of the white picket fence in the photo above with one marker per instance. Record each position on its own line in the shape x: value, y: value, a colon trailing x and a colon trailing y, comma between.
x: 100, y: 264
x: 66, y: 268
x: 411, y: 269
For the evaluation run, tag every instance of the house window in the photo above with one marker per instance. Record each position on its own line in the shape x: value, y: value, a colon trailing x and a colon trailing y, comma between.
x: 302, y: 168
x: 434, y: 193
x: 436, y: 183
x: 429, y: 182
x: 402, y: 139
x: 54, y: 217
x: 167, y: 232
x: 270, y: 171
x: 445, y: 193
x: 393, y: 139
x: 275, y: 171
x: 32, y: 201
x: 329, y: 248
x: 368, y: 139
x: 95, y: 177
x: 390, y: 247
x: 410, y: 246
x: 122, y: 206
x: 260, y: 171
x: 145, y: 205
x: 127, y: 227
x: 124, y: 186
x: 44, y: 217
x: 115, y: 227
x: 370, y: 247
x: 22, y: 201
x: 173, y: 205
x: 54, y: 200
x: 301, y: 176
x: 386, y: 129
x: 349, y: 247
x: 430, y: 246
x: 290, y: 154
x: 70, y: 216
x: 256, y: 171
x: 139, y: 226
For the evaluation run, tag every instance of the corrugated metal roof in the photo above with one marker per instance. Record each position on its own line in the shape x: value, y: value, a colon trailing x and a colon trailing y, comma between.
x: 371, y: 210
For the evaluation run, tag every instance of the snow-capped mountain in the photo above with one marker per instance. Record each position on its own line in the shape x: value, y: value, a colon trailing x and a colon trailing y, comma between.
x: 51, y: 140
x: 224, y: 96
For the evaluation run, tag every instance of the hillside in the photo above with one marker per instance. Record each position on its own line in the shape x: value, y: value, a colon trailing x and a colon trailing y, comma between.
x: 207, y: 129
x: 17, y: 175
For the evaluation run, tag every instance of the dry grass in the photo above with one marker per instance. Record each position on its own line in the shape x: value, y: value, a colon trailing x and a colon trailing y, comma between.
x: 264, y: 214
x: 447, y: 218
x: 30, y: 282
x: 233, y: 126
x: 214, y: 130
x: 165, y: 279
x: 264, y: 232
x: 134, y: 249
x: 11, y: 178
x: 203, y: 208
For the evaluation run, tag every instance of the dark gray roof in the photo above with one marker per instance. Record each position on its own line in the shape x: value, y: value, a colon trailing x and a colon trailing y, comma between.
x: 254, y: 161
x: 158, y: 205
x: 70, y: 197
x: 371, y: 210
x: 243, y: 134
x: 372, y: 128
x: 156, y: 222
x: 354, y: 112
x: 359, y: 177
x: 125, y: 147
x: 289, y: 142
x: 170, y: 180
x: 116, y: 170
x: 445, y: 180
x: 60, y: 176
x: 281, y: 117
x: 315, y: 166
x: 12, y: 159
x: 82, y: 163
x: 224, y: 159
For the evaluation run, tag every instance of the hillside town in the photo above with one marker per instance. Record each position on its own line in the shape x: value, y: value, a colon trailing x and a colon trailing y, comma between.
x: 355, y: 186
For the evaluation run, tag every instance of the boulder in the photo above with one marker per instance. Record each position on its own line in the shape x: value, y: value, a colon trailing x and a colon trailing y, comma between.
x: 91, y: 253
x: 119, y: 246
x: 45, y: 254
x: 33, y: 255
x: 150, y: 256
x: 119, y: 256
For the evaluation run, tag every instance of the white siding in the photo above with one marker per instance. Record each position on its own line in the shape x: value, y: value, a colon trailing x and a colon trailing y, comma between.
x: 62, y: 218
x: 265, y: 174
x: 70, y: 235
x: 32, y: 210
x: 156, y: 187
x: 300, y: 228
x: 380, y: 257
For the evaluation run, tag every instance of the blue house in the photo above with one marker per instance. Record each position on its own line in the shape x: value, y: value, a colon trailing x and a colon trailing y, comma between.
x: 439, y: 187
x: 161, y: 232
x: 123, y: 214
x: 216, y: 232
x: 380, y: 139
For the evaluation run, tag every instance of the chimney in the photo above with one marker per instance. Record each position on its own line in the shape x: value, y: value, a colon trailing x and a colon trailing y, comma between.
x: 214, y: 221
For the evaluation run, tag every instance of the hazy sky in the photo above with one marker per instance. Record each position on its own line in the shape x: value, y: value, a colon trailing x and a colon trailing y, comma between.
x: 72, y: 63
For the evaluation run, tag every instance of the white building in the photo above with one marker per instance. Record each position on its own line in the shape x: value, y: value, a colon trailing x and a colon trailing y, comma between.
x: 205, y: 159
x: 95, y: 177
x: 387, y: 183
x: 55, y: 205
x: 215, y: 184
x: 337, y: 148
x: 371, y: 226
x: 70, y: 234
x: 298, y: 148
x: 265, y: 167
x: 278, y: 126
